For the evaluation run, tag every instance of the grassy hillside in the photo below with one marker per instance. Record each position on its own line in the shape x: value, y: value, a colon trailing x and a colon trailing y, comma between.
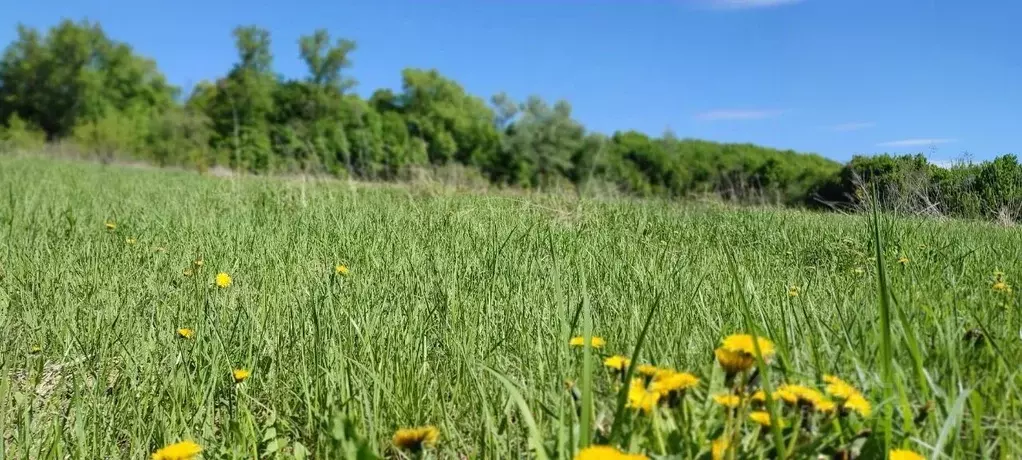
x: 442, y: 288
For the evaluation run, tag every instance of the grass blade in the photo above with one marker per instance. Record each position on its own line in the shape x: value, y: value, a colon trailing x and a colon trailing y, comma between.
x: 535, y: 437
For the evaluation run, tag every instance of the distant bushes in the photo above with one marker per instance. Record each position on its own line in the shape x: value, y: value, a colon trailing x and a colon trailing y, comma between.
x: 76, y: 84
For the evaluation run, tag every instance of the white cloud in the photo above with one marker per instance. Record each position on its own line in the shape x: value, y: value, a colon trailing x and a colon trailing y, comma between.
x: 744, y: 4
x: 737, y: 114
x: 916, y: 142
x: 852, y: 126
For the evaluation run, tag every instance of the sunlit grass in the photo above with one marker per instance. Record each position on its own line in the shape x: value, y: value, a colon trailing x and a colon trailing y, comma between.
x: 353, y: 312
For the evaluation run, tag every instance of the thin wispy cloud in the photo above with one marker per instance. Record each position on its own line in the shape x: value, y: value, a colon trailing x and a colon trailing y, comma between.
x: 738, y: 114
x: 917, y: 142
x: 746, y: 4
x: 852, y: 126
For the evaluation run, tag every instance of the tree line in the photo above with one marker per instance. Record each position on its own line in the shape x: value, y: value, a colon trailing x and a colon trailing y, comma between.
x: 75, y: 84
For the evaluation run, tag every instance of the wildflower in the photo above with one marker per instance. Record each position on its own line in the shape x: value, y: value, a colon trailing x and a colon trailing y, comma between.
x: 639, y: 397
x: 824, y: 405
x: 732, y: 362
x: 160, y: 249
x: 737, y: 352
x: 902, y: 454
x: 596, y: 342
x: 903, y: 260
x: 223, y: 280
x: 743, y: 343
x: 342, y: 270
x: 198, y: 263
x: 617, y: 362
x: 129, y: 240
x: 240, y: 375
x: 719, y: 447
x: 185, y: 333
x: 763, y: 418
x: 726, y: 400
x: 673, y: 382
x: 606, y: 453
x: 795, y: 394
x: 414, y: 439
x: 648, y: 370
x: 839, y: 388
x: 858, y: 403
x: 36, y: 349
x: 184, y: 450
x: 1001, y: 286
x: 111, y: 226
x: 859, y: 271
x: 759, y: 396
x: 793, y: 291
x: 187, y: 272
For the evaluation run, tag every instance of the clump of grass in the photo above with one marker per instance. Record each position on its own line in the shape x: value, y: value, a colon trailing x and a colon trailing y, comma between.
x: 453, y: 317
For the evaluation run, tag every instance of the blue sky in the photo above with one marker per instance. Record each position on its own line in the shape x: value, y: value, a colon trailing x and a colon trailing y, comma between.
x: 837, y: 77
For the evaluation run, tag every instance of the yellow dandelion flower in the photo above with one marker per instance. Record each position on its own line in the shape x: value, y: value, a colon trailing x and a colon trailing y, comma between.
x: 718, y: 448
x: 1001, y: 286
x: 617, y: 362
x: 786, y: 395
x: 414, y: 439
x: 858, y: 403
x: 648, y: 370
x: 793, y: 291
x: 185, y: 333
x: 198, y: 263
x: 673, y: 382
x: 606, y: 453
x: 240, y: 375
x: 902, y: 454
x: 824, y: 405
x: 184, y: 450
x: 596, y: 342
x: 187, y: 272
x: 763, y: 418
x: 743, y: 343
x: 639, y: 397
x: 732, y: 362
x: 130, y: 240
x: 36, y: 349
x: 111, y: 226
x: 839, y: 388
x: 342, y: 270
x: 759, y: 396
x: 223, y: 280
x: 727, y: 400
x: 903, y: 260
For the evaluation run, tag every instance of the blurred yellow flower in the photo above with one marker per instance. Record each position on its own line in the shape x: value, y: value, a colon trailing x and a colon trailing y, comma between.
x: 763, y: 418
x: 839, y: 388
x: 130, y: 240
x: 606, y: 453
x: 648, y: 370
x: 111, y: 226
x: 743, y: 343
x: 902, y: 454
x: 414, y: 439
x: 184, y: 450
x: 185, y: 333
x: 198, y: 263
x: 187, y: 272
x: 672, y: 382
x: 639, y: 397
x: 858, y: 403
x: 727, y: 400
x: 732, y: 362
x: 719, y: 448
x: 903, y: 260
x: 342, y: 270
x: 793, y: 291
x: 759, y: 396
x: 597, y: 342
x: 36, y: 349
x: 617, y: 362
x: 1001, y: 286
x: 223, y: 280
x: 240, y: 375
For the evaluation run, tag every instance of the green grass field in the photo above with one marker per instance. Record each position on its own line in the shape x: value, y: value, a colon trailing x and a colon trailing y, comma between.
x: 449, y: 294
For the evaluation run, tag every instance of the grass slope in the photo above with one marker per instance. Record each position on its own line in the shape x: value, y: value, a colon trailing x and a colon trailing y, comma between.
x: 444, y: 286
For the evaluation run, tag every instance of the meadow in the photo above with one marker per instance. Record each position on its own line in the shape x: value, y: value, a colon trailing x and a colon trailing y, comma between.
x: 356, y: 310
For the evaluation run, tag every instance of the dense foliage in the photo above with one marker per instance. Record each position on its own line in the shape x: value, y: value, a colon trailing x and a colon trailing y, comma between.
x: 76, y: 84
